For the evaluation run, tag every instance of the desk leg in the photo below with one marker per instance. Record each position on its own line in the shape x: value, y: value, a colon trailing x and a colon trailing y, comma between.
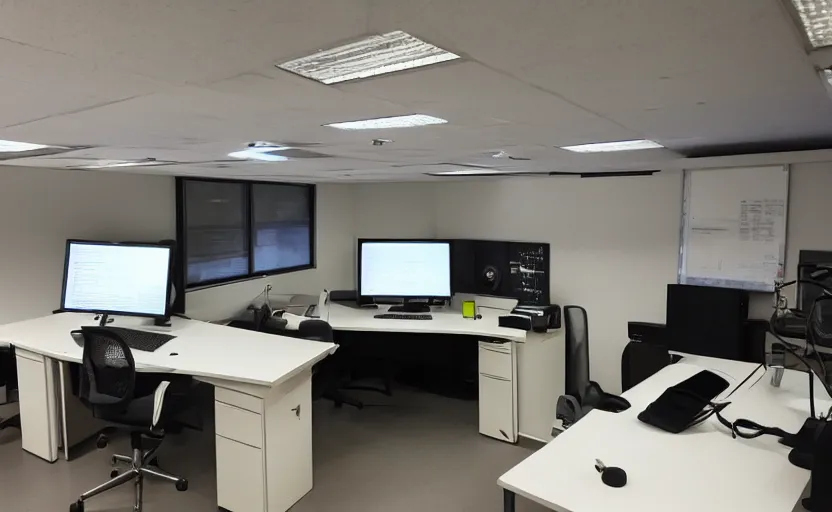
x: 508, y: 501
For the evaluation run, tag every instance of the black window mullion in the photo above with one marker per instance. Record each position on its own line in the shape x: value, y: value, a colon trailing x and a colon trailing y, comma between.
x: 249, y: 201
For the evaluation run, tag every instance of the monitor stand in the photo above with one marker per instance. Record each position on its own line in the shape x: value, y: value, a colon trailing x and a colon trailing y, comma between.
x: 410, y: 307
x: 161, y: 321
x: 104, y: 319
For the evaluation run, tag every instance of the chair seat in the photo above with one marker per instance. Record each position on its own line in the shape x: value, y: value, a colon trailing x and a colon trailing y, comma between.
x: 137, y: 413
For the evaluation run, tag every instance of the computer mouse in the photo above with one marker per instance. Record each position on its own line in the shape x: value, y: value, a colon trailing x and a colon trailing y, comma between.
x: 611, y: 476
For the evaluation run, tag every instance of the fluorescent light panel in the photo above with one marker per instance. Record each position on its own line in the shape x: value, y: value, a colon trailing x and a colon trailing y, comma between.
x: 10, y: 146
x: 110, y: 164
x: 816, y: 16
x: 475, y: 172
x: 606, y: 147
x: 381, y: 123
x: 261, y: 152
x: 373, y: 56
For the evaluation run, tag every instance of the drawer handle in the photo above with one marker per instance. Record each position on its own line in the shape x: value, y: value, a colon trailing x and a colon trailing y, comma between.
x: 496, y: 351
x: 296, y: 410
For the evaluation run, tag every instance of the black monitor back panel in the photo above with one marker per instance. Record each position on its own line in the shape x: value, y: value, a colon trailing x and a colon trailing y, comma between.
x: 518, y: 270
x: 707, y: 321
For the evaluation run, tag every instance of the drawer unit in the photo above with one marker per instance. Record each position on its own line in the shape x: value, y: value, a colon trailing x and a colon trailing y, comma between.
x: 237, y: 399
x: 239, y: 424
x: 240, y: 478
x: 496, y: 360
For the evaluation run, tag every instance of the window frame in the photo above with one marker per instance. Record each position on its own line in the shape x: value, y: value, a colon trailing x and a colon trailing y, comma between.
x: 181, y: 232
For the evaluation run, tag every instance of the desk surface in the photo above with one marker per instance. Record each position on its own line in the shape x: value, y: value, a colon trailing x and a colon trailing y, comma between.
x: 445, y: 321
x: 700, y: 469
x: 204, y: 349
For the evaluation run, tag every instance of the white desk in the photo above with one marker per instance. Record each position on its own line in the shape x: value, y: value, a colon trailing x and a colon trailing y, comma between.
x: 700, y: 469
x: 262, y: 399
x: 520, y: 379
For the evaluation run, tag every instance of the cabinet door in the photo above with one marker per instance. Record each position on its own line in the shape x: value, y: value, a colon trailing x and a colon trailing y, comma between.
x: 497, y: 408
x: 240, y: 482
x: 289, y: 445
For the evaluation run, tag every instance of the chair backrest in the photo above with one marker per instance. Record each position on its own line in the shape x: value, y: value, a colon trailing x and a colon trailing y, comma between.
x: 317, y: 330
x: 577, y: 351
x: 109, y: 372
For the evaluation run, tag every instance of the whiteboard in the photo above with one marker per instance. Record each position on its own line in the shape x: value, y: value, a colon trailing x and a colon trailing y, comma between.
x: 734, y: 227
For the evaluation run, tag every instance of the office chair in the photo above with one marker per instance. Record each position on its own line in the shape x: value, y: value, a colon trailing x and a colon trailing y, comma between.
x: 582, y: 394
x: 107, y: 388
x: 327, y: 374
x: 8, y: 378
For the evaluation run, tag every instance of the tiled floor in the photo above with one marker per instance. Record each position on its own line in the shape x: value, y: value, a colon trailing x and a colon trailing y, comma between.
x: 419, y: 453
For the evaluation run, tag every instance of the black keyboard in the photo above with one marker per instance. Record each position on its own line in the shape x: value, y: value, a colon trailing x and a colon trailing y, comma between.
x: 141, y: 340
x: 404, y: 316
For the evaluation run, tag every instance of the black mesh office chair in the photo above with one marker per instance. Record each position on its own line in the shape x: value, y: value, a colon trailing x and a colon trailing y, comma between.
x: 107, y: 387
x: 327, y: 374
x: 8, y: 379
x: 582, y: 394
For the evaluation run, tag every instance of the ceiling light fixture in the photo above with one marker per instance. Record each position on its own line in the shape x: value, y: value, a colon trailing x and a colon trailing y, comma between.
x: 372, y: 56
x: 475, y: 172
x: 382, y: 123
x: 10, y: 146
x: 606, y: 147
x: 262, y: 151
x: 816, y: 17
x: 110, y: 164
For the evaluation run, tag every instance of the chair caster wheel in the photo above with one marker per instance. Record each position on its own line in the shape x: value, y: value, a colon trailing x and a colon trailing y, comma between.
x: 78, y: 506
x: 181, y: 485
x: 113, y: 473
x: 101, y: 442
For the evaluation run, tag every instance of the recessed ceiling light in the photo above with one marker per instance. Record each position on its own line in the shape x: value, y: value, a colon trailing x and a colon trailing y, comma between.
x: 373, y: 56
x: 109, y: 164
x: 10, y: 146
x: 475, y: 172
x: 381, y: 123
x: 605, y: 147
x: 262, y: 151
x: 816, y: 16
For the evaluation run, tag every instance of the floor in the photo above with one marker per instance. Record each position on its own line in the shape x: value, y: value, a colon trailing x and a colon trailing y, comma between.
x: 414, y: 452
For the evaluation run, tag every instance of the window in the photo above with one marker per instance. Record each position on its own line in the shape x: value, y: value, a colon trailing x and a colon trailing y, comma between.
x: 231, y: 230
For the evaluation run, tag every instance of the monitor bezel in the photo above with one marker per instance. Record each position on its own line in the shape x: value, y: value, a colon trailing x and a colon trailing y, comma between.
x: 381, y: 299
x: 69, y: 244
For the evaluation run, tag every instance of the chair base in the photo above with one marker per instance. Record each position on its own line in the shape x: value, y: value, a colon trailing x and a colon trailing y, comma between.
x: 140, y: 467
x: 13, y: 421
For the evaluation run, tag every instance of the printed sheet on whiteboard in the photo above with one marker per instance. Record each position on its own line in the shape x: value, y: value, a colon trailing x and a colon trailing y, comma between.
x: 734, y: 227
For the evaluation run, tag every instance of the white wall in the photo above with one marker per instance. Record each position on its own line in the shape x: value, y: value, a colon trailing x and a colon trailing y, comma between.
x: 40, y: 209
x: 614, y: 244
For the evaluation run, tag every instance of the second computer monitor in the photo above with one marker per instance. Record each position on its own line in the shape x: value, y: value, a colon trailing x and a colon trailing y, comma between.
x: 404, y: 269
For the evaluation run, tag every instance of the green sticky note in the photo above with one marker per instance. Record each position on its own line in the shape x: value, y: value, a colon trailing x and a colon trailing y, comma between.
x: 469, y: 309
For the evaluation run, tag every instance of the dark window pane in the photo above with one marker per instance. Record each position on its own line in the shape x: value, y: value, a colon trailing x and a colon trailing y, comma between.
x: 216, y: 237
x: 282, y: 226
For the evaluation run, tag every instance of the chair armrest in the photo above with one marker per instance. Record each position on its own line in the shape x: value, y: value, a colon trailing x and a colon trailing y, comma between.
x: 159, y: 402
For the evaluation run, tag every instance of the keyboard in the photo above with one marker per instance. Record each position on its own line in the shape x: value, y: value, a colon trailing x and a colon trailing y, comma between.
x: 141, y: 340
x: 404, y: 316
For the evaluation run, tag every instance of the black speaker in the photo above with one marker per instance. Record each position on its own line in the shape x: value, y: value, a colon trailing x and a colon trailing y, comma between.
x: 707, y: 321
x: 481, y: 267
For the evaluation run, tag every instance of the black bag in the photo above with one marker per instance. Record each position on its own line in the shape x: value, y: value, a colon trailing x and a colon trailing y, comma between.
x: 685, y: 404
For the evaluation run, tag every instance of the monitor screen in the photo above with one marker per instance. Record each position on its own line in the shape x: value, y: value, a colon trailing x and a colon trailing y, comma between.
x: 419, y: 269
x: 131, y: 279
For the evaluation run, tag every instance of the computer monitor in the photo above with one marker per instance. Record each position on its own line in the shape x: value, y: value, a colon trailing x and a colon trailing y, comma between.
x: 117, y: 278
x: 404, y: 270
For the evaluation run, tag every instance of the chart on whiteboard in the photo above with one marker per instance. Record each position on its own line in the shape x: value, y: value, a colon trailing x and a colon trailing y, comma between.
x: 743, y: 249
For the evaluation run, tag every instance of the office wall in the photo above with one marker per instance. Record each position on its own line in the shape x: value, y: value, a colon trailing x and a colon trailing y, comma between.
x: 614, y: 244
x: 390, y: 210
x: 40, y: 209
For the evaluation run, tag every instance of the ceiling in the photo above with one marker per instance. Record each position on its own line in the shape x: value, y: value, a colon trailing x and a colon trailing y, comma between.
x: 190, y: 81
